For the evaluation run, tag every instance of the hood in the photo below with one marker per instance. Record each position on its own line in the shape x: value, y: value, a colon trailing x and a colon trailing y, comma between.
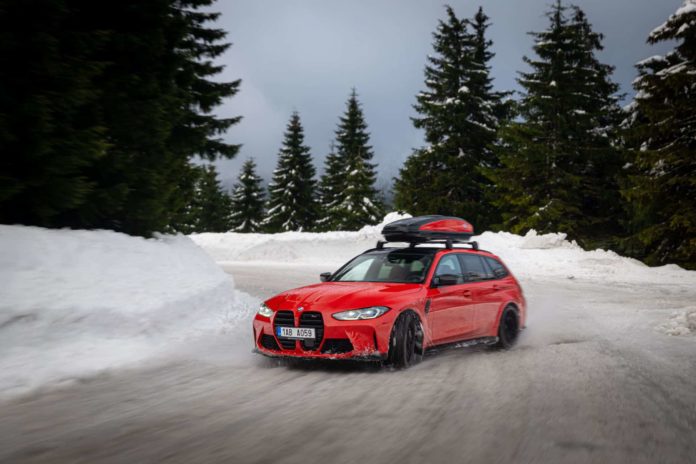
x: 338, y: 296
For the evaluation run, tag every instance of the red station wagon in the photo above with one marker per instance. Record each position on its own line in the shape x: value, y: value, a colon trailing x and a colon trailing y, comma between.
x: 393, y: 304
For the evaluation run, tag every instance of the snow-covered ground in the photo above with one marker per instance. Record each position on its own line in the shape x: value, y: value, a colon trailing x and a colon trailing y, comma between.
x: 73, y: 303
x: 604, y: 371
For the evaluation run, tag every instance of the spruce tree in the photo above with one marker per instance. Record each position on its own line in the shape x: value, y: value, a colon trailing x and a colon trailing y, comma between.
x: 50, y: 133
x: 247, y: 200
x: 209, y: 209
x: 103, y: 109
x: 292, y: 203
x: 460, y: 114
x: 159, y: 93
x: 215, y: 205
x: 349, y: 197
x: 662, y: 190
x: 560, y: 163
x: 331, y: 186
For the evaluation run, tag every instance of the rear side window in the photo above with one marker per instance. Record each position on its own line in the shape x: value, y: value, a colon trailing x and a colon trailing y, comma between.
x: 498, y: 269
x: 474, y: 268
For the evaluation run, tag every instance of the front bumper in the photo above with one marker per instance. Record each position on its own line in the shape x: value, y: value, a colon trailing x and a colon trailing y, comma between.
x: 365, y: 340
x: 370, y: 357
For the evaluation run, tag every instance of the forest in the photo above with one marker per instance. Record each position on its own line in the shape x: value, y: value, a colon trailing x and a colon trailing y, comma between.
x: 108, y: 121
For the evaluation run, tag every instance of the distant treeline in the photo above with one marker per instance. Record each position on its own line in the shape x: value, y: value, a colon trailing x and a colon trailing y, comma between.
x: 105, y: 106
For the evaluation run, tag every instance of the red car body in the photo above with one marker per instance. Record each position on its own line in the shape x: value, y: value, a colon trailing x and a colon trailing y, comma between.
x: 448, y: 314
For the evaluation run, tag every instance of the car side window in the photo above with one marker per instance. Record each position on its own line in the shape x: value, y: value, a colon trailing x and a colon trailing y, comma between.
x: 498, y: 269
x: 449, y: 265
x: 473, y: 267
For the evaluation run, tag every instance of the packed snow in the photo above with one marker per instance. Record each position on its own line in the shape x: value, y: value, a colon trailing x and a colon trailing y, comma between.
x: 77, y: 302
x: 680, y: 323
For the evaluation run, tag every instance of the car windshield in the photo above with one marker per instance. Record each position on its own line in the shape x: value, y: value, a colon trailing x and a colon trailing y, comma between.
x: 397, y: 266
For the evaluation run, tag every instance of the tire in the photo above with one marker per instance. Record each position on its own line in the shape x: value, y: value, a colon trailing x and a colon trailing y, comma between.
x: 508, y: 328
x: 406, y: 341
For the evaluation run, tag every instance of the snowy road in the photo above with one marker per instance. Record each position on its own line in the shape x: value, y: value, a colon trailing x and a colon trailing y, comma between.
x: 590, y: 381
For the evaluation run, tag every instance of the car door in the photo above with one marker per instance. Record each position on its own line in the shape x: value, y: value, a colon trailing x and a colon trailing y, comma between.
x: 499, y: 283
x: 451, y: 311
x: 483, y: 293
x: 488, y: 290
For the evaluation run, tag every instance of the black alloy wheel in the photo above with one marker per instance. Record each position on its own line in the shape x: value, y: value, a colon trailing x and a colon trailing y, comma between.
x: 508, y: 328
x: 406, y: 342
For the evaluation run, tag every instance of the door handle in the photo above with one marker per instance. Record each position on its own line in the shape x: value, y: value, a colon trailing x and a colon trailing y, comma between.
x: 466, y: 293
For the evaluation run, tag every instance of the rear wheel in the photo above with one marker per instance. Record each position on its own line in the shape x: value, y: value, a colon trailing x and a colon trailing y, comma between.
x: 406, y: 342
x: 508, y: 328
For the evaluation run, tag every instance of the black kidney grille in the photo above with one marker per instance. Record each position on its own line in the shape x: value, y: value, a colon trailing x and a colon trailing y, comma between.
x: 284, y: 319
x: 314, y: 320
x: 269, y: 342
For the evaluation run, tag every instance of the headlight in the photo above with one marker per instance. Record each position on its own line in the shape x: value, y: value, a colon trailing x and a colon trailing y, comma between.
x: 265, y: 311
x: 364, y: 313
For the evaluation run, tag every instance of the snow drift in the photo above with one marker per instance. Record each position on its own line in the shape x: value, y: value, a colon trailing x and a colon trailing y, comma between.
x: 547, y: 256
x: 75, y: 302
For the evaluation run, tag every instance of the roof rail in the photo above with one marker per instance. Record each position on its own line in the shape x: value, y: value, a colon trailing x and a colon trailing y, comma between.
x: 448, y: 242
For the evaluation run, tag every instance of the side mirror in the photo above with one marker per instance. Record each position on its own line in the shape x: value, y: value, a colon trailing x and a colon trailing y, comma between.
x: 444, y: 280
x: 325, y: 276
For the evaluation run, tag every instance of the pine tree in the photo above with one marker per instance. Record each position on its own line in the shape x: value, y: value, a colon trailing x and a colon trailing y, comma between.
x: 215, y: 205
x: 104, y: 108
x: 349, y: 197
x: 460, y: 114
x: 209, y: 209
x: 50, y: 134
x: 247, y: 200
x: 331, y: 186
x: 292, y: 203
x: 662, y: 190
x: 560, y: 163
x: 159, y: 93
x: 498, y: 103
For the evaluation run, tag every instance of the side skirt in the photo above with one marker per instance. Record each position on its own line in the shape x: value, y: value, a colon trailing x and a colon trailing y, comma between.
x: 462, y: 344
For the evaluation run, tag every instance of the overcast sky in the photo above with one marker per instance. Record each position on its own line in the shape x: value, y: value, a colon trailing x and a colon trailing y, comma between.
x: 306, y: 55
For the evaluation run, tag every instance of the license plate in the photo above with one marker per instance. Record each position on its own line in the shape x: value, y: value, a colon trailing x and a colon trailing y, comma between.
x: 299, y: 333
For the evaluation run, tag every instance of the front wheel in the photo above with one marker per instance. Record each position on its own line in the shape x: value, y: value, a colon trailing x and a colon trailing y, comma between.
x: 508, y: 328
x: 406, y: 342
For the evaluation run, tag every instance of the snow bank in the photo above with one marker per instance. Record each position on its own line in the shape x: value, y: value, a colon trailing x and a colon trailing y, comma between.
x: 680, y: 323
x: 533, y: 256
x: 77, y: 302
x: 551, y: 256
x: 313, y: 248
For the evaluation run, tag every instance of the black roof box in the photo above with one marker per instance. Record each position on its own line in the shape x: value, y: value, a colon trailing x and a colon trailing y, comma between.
x: 428, y: 228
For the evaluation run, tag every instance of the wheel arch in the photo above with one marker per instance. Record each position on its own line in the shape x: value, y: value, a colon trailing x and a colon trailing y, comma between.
x: 509, y: 303
x: 409, y: 310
